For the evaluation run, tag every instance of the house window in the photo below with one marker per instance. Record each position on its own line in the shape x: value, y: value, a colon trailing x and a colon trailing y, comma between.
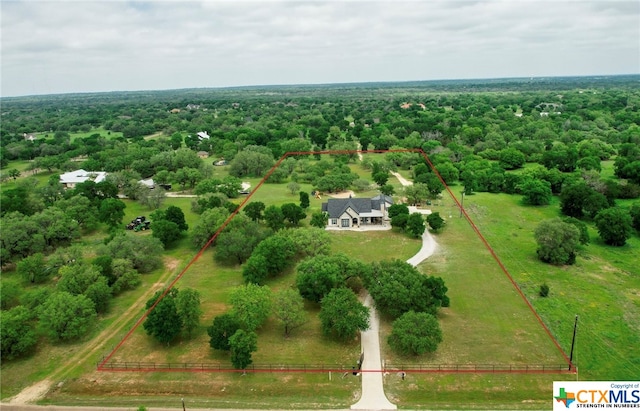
x: 345, y: 222
x: 334, y: 221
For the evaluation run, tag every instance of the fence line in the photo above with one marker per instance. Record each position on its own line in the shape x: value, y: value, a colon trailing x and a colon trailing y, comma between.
x: 141, y: 366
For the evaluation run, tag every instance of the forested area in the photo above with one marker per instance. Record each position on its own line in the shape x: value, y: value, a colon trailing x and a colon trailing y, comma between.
x: 536, y: 139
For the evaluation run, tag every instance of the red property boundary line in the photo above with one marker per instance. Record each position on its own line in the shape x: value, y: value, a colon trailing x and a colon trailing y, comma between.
x: 104, y: 367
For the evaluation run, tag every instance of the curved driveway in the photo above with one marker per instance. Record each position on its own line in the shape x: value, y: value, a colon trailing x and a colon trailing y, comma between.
x: 373, y: 397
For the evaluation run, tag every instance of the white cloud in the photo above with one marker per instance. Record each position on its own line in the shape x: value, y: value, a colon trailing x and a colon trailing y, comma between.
x: 55, y: 46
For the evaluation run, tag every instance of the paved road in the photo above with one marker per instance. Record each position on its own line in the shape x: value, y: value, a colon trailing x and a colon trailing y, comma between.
x: 373, y: 397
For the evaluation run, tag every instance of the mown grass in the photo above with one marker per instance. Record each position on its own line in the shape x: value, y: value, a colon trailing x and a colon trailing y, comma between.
x: 602, y: 288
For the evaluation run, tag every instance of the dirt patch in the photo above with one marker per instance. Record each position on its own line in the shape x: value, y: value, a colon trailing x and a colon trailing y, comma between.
x: 342, y: 194
x: 32, y: 394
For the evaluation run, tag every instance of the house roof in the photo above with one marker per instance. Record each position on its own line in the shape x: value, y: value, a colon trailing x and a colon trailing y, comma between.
x: 363, y: 206
x: 203, y: 135
x: 80, y: 176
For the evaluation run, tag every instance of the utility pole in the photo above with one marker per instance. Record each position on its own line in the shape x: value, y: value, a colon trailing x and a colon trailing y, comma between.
x: 573, y: 342
x: 462, y: 205
x: 183, y: 408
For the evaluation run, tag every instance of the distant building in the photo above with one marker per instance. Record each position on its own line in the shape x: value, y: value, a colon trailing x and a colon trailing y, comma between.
x: 203, y: 154
x: 149, y: 183
x: 202, y: 135
x: 70, y: 179
x: 29, y: 137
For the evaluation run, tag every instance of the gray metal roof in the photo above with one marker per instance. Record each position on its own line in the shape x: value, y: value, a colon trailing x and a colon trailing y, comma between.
x: 337, y: 206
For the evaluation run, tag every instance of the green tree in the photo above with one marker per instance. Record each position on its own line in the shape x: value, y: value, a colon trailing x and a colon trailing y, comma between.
x: 254, y: 210
x: 288, y: 308
x: 435, y: 221
x: 221, y: 330
x: 76, y: 278
x: 536, y: 192
x: 293, y: 213
x: 511, y: 158
x: 400, y: 221
x: 614, y: 226
x: 304, y: 199
x: 387, y: 190
x: 166, y: 231
x: 144, y: 252
x: 342, y: 315
x: 251, y: 305
x: 255, y: 269
x: 415, y: 334
x: 66, y: 317
x: 293, y: 187
x: 111, y: 211
x: 396, y: 209
x: 381, y: 177
x: 100, y: 293
x: 415, y: 225
x: 317, y: 276
x: 279, y: 251
x: 13, y: 173
x: 176, y: 215
x: 126, y: 277
x: 163, y: 322
x: 319, y: 219
x: 579, y: 200
x: 34, y: 269
x: 238, y: 240
x: 416, y: 193
x: 210, y: 222
x: 274, y: 217
x: 557, y: 241
x: 581, y: 226
x: 188, y: 307
x: 9, y: 294
x: 17, y: 334
x: 398, y: 287
x: 80, y: 209
x: 242, y: 344
x: 634, y: 212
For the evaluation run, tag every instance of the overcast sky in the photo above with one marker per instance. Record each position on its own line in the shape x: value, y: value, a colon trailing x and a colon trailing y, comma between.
x: 83, y: 46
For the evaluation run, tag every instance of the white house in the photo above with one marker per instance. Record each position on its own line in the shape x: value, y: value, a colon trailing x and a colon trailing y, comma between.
x: 70, y: 179
x: 355, y: 212
x: 202, y: 135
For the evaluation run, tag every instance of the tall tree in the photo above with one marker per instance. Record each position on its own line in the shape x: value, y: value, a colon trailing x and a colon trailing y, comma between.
x: 342, y: 315
x: 17, y: 334
x: 223, y: 327
x: 242, y: 344
x: 557, y: 241
x: 163, y: 322
x: 293, y: 213
x: 435, y: 221
x: 251, y: 305
x: 288, y: 308
x: 254, y: 210
x: 188, y: 306
x: 415, y: 225
x: 614, y: 226
x: 65, y: 317
x: 415, y: 334
x: 274, y: 217
x: 111, y: 211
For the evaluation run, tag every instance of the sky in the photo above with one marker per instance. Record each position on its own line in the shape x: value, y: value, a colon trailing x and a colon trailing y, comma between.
x: 50, y: 47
